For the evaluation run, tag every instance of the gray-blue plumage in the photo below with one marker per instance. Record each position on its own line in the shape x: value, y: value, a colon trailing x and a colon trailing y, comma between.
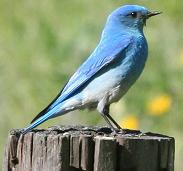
x: 110, y: 70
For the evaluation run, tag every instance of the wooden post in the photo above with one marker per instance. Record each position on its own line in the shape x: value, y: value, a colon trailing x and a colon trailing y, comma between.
x: 88, y: 149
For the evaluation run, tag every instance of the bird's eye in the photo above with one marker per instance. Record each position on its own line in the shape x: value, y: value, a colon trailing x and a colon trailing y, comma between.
x: 133, y: 14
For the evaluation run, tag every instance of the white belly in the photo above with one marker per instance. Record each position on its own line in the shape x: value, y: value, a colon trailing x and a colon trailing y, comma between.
x: 108, y: 84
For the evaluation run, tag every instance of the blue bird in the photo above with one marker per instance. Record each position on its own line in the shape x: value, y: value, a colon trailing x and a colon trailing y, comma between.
x: 108, y: 73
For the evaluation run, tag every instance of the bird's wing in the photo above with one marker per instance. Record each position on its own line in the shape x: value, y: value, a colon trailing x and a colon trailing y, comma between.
x: 104, y: 54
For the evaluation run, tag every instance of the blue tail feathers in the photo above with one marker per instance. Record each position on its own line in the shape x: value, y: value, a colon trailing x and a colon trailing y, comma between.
x: 42, y: 119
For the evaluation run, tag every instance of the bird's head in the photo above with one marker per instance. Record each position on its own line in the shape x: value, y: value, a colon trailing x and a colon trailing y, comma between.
x: 131, y: 16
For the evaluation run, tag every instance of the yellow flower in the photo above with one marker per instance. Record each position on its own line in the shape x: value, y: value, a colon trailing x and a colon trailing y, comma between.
x: 181, y: 57
x: 130, y: 122
x: 159, y: 105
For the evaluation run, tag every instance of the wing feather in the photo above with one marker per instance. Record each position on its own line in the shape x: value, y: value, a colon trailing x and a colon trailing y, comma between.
x: 101, y: 57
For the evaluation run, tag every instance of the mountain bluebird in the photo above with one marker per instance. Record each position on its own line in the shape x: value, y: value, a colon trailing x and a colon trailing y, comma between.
x: 108, y: 73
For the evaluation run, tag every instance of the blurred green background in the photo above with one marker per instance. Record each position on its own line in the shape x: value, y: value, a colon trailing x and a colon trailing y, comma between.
x: 43, y: 42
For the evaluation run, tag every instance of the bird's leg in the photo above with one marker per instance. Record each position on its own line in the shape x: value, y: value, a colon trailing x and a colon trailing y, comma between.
x: 104, y: 111
x: 110, y: 117
x: 101, y: 107
x: 107, y: 120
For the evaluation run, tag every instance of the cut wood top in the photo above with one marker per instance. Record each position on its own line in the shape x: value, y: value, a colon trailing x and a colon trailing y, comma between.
x: 94, y: 131
x: 88, y: 148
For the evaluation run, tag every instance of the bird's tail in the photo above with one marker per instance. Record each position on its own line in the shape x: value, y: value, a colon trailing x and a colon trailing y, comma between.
x: 50, y: 114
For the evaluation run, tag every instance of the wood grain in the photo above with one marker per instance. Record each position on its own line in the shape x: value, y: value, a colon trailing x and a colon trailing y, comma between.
x: 79, y: 148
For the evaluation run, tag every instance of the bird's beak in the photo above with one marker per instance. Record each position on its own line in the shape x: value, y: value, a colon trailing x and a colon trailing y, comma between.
x: 152, y: 13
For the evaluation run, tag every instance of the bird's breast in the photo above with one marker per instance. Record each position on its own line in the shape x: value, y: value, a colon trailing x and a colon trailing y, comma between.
x: 127, y: 71
x: 133, y: 63
x: 116, y: 78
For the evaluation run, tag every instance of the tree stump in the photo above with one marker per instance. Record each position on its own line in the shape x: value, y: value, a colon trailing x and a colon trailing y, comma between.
x: 82, y: 148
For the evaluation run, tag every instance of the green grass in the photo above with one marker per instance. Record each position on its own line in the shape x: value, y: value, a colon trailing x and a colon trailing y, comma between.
x: 42, y: 44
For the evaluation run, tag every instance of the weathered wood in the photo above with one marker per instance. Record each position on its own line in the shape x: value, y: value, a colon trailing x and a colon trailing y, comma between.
x: 105, y: 152
x: 10, y: 156
x: 86, y: 149
x: 24, y: 152
x: 87, y: 152
x: 138, y: 154
x: 74, y: 151
x: 58, y: 153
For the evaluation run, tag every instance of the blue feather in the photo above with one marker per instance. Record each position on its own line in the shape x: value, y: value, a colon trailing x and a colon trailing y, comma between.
x: 117, y: 61
x: 100, y: 58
